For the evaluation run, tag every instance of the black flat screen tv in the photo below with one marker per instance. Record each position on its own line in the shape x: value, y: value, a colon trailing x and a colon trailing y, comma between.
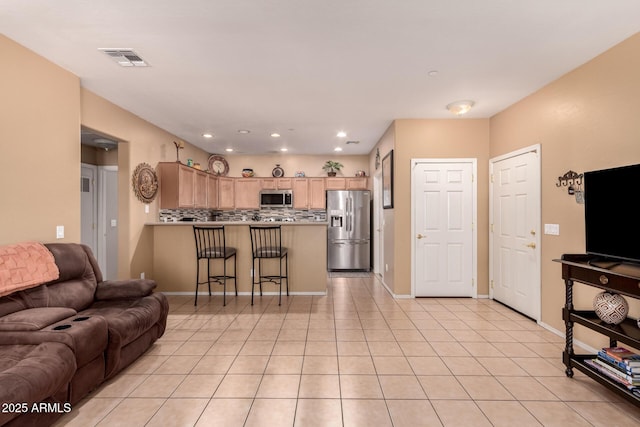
x: 612, y: 216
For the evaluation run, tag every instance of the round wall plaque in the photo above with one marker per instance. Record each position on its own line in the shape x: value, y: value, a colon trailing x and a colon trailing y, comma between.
x: 145, y: 183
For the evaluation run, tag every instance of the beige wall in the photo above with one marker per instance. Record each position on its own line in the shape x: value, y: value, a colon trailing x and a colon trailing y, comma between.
x: 586, y: 120
x: 39, y: 148
x: 311, y: 165
x: 387, y: 267
x: 449, y: 138
x: 140, y: 142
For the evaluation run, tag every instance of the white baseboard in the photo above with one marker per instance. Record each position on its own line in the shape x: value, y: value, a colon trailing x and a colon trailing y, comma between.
x: 564, y: 335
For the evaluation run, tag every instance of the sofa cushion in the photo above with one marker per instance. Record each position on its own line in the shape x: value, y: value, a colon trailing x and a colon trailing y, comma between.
x: 34, y: 319
x: 77, y: 283
x: 116, y: 289
x: 32, y: 373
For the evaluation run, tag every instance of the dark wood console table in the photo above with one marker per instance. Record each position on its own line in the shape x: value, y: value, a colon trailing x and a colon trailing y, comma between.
x: 623, y: 279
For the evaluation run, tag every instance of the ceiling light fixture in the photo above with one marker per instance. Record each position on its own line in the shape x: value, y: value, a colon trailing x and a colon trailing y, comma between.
x: 337, y: 149
x: 342, y: 134
x: 228, y: 150
x: 275, y: 135
x: 284, y: 149
x: 244, y: 131
x: 460, y: 107
x: 207, y: 135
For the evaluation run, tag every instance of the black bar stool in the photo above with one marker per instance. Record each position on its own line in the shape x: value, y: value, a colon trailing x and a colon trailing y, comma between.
x: 211, y: 245
x: 266, y: 243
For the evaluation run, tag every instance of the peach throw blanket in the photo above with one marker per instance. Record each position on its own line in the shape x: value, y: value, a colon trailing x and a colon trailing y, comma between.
x: 24, y: 266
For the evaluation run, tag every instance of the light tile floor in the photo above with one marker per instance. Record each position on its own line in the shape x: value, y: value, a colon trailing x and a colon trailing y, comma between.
x: 355, y: 357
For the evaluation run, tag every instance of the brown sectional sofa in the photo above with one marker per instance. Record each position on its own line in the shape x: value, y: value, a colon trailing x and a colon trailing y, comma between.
x: 79, y: 330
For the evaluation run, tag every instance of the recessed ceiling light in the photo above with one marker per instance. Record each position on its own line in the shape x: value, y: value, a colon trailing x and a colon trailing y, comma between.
x: 432, y: 73
x: 337, y: 149
x: 342, y: 134
x: 207, y: 135
x: 228, y: 150
x: 284, y: 149
x: 244, y: 131
x: 275, y: 135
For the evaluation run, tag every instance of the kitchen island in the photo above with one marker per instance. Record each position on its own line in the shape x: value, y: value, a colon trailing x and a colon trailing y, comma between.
x: 174, y: 256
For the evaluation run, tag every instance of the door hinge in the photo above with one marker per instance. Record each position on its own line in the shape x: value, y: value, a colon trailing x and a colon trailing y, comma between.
x: 473, y: 283
x: 473, y: 178
x: 491, y: 177
x: 491, y: 228
x: 491, y: 282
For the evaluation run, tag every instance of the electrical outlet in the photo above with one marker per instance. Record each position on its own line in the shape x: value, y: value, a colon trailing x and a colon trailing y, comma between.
x: 59, y: 231
x: 386, y: 267
x: 142, y: 275
x: 146, y: 209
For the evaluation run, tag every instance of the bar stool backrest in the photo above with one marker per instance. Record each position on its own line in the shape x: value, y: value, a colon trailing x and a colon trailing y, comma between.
x: 266, y: 242
x: 210, y: 242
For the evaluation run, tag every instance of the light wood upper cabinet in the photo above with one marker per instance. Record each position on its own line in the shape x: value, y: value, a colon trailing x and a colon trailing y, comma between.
x: 317, y: 193
x: 284, y: 183
x: 226, y: 193
x: 212, y: 191
x: 300, y: 193
x: 177, y: 183
x: 335, y: 183
x: 268, y: 183
x: 247, y: 193
x: 199, y: 189
x: 357, y: 183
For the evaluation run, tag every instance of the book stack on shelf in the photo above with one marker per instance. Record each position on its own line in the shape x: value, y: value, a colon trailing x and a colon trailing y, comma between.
x: 619, y: 364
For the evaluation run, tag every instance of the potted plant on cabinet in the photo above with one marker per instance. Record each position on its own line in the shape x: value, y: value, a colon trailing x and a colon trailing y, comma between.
x: 332, y: 167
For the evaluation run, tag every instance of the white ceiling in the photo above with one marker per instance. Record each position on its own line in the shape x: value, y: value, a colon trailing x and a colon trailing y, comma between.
x: 310, y: 68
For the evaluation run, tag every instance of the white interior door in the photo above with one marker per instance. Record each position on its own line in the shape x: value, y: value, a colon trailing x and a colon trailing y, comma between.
x: 443, y: 224
x: 515, y: 236
x: 108, y: 221
x: 88, y: 206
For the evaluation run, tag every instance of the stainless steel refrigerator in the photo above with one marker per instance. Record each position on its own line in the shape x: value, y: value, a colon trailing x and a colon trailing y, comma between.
x: 349, y: 231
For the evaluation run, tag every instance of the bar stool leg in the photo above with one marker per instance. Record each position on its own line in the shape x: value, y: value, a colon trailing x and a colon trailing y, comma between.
x: 224, y: 282
x: 197, y: 280
x: 209, y: 274
x: 253, y: 279
x: 235, y: 269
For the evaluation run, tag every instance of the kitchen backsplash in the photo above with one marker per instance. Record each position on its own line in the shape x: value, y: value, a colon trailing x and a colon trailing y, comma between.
x: 278, y: 214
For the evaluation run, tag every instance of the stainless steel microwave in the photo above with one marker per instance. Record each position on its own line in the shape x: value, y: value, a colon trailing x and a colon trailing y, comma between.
x: 276, y: 199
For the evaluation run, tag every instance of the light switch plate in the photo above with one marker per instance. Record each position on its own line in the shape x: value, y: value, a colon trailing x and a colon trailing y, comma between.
x: 552, y: 229
x: 59, y: 231
x: 114, y: 223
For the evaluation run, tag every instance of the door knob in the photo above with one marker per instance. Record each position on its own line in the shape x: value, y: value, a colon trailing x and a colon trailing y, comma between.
x: 420, y: 236
x: 531, y: 245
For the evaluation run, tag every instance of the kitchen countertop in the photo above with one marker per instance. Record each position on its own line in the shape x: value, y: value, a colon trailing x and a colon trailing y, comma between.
x: 212, y: 223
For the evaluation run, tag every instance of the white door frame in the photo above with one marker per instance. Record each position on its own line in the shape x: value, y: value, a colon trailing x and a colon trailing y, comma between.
x: 474, y: 267
x: 378, y: 223
x: 532, y: 148
x: 103, y: 220
x: 94, y: 204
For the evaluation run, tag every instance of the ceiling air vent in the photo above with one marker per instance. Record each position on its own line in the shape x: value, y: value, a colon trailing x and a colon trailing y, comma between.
x: 352, y: 142
x: 125, y: 57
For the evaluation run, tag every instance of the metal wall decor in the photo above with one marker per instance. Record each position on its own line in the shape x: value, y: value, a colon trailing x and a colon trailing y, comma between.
x: 145, y: 183
x: 573, y: 181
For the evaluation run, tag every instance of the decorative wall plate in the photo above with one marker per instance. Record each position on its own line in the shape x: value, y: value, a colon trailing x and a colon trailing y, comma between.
x: 277, y: 172
x: 218, y: 165
x: 145, y: 183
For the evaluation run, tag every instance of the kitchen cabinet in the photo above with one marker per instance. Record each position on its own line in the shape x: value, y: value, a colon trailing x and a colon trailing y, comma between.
x: 247, y: 193
x: 356, y: 183
x: 622, y: 279
x: 177, y: 183
x: 336, y: 184
x: 226, y: 193
x: 212, y: 191
x: 199, y: 189
x: 309, y: 193
x: 277, y: 183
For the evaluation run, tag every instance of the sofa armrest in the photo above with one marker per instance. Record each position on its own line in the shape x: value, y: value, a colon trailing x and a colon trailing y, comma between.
x: 122, y: 289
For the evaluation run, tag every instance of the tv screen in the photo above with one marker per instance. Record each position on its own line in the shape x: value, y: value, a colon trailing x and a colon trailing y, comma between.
x: 612, y: 218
